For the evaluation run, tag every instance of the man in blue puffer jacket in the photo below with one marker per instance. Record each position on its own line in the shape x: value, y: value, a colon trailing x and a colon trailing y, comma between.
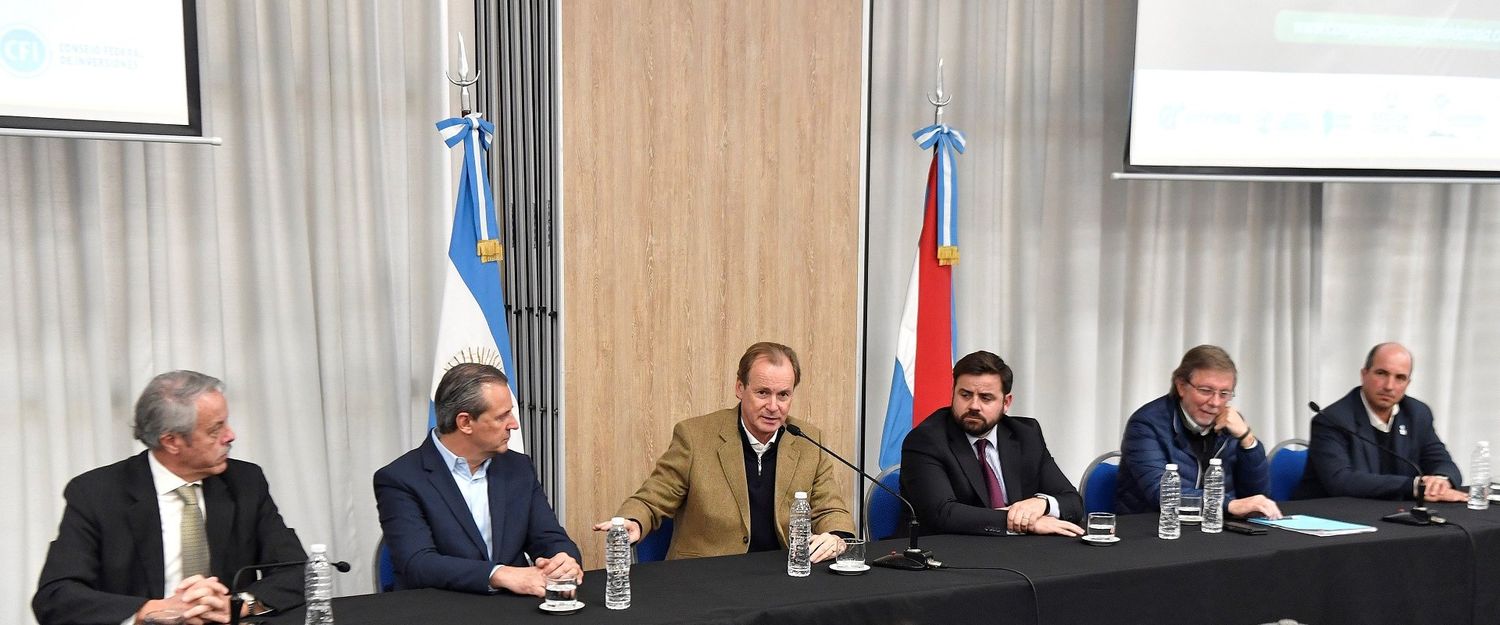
x: 1188, y: 426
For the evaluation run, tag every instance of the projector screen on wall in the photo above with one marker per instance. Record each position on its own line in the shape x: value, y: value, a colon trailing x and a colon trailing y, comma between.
x: 100, y: 66
x: 1317, y: 87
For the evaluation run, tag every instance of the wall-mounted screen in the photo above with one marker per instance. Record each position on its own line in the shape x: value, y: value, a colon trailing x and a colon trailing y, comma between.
x: 100, y: 66
x: 1317, y: 87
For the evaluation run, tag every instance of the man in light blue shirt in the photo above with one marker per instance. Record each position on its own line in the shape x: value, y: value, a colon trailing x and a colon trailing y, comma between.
x: 509, y: 537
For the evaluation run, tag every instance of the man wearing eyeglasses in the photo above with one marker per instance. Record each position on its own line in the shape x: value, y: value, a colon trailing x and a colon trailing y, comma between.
x: 1380, y: 410
x: 1190, y: 425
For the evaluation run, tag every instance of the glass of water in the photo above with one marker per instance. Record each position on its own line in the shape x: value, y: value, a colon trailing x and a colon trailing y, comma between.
x: 1101, y: 526
x: 1190, y: 511
x: 853, y: 556
x: 562, y: 591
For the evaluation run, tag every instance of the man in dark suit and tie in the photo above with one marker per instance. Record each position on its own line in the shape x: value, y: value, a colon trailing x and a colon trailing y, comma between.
x: 972, y: 469
x: 459, y: 512
x: 164, y: 529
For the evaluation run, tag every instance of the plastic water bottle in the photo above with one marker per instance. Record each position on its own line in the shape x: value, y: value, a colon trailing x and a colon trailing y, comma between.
x: 1168, y: 526
x: 1213, y: 497
x: 1479, y: 477
x: 617, y: 565
x: 799, y: 555
x: 319, y: 587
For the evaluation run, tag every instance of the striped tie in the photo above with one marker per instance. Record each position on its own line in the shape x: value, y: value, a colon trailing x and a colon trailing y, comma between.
x: 194, y: 546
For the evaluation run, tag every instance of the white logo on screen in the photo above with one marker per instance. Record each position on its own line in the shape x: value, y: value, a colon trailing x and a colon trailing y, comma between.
x: 22, y: 51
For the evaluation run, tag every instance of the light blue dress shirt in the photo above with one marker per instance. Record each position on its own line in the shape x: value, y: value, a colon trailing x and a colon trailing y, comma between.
x: 475, y: 489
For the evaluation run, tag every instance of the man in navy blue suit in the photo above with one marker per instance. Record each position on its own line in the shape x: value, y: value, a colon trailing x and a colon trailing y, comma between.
x: 459, y: 512
x: 1379, y: 409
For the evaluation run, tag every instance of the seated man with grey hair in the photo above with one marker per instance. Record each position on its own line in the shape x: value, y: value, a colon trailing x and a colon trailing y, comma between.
x: 166, y: 528
x: 461, y: 512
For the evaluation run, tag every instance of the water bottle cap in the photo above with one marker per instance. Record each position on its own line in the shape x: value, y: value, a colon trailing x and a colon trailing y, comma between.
x: 618, y: 521
x: 801, y: 494
x: 1171, y: 467
x: 318, y: 548
x: 1214, y: 462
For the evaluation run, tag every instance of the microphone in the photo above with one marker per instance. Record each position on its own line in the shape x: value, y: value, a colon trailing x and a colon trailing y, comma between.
x: 914, y: 558
x: 235, y: 603
x: 1419, y: 514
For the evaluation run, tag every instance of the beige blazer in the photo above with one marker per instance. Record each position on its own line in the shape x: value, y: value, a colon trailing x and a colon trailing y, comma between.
x: 700, y: 484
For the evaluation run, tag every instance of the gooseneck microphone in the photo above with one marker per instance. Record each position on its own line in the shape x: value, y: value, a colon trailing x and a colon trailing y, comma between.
x: 914, y: 558
x: 235, y: 603
x: 1419, y: 514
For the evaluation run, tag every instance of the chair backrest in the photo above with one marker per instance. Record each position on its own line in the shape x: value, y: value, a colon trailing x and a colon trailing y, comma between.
x: 882, y: 511
x: 1288, y: 461
x: 653, y: 547
x: 1099, y: 483
x: 385, y: 571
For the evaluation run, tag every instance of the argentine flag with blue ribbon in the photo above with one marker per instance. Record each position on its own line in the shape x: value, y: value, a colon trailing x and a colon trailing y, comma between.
x: 472, y: 327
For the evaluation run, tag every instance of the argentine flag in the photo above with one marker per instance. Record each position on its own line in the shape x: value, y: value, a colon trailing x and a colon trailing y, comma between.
x: 472, y: 327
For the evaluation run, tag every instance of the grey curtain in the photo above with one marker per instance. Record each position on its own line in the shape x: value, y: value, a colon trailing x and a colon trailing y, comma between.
x: 1093, y: 288
x: 300, y: 262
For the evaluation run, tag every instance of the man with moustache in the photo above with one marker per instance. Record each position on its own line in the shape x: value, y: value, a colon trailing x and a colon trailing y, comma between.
x: 1379, y: 409
x: 462, y: 513
x: 167, y: 528
x: 728, y: 477
x: 971, y: 468
x: 1190, y: 425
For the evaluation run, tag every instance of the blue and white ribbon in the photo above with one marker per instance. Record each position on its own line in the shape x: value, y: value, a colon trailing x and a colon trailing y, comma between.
x: 947, y: 141
x: 475, y: 133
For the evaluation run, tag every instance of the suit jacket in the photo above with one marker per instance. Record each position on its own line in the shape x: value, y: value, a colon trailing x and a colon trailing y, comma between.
x: 700, y: 484
x: 1339, y: 466
x: 941, y: 475
x: 1155, y: 436
x: 107, y: 559
x: 431, y: 534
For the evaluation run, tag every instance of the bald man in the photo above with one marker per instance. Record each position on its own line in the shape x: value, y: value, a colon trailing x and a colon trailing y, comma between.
x: 1379, y: 410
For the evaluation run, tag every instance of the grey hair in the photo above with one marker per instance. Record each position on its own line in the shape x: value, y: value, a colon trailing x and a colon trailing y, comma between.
x: 462, y: 390
x: 169, y: 405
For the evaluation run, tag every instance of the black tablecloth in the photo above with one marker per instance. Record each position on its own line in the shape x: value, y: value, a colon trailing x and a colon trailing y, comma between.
x: 1446, y: 575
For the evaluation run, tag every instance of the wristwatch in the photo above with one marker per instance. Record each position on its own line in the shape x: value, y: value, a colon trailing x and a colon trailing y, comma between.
x: 252, y: 607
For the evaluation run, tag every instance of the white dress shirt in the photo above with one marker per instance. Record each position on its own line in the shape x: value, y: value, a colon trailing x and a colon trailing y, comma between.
x: 170, y: 507
x: 992, y: 458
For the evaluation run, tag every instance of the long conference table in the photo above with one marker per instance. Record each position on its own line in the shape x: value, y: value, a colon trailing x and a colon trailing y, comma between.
x: 1448, y: 575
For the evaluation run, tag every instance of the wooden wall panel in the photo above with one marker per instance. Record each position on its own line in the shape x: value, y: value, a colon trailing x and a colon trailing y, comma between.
x: 711, y: 185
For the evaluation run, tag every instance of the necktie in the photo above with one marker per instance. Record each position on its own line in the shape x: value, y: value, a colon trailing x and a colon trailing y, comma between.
x: 991, y: 481
x: 194, y: 545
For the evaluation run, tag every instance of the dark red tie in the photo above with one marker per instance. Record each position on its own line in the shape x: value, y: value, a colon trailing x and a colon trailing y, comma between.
x: 991, y: 482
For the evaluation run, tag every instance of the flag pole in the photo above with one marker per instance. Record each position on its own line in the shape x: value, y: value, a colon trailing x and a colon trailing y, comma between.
x: 938, y: 100
x: 464, y: 80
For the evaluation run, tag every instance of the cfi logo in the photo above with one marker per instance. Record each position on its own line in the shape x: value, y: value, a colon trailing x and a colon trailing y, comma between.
x: 22, y: 51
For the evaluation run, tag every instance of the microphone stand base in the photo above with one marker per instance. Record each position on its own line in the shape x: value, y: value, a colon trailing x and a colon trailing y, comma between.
x: 1415, y: 516
x: 909, y: 560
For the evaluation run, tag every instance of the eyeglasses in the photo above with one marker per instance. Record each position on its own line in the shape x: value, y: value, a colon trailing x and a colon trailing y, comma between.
x: 1207, y: 392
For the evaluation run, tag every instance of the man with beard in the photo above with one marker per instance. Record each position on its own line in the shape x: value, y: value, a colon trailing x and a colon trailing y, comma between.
x: 1380, y: 410
x: 972, y: 469
x: 746, y: 449
x: 1190, y: 425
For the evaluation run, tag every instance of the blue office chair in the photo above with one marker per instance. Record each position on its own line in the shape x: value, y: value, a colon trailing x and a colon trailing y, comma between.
x: 883, y: 513
x: 385, y: 571
x: 1287, y: 465
x: 653, y: 548
x: 1099, y: 483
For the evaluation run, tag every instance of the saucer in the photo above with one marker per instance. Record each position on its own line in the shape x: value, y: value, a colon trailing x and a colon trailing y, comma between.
x: 856, y: 569
x: 1101, y: 541
x: 566, y: 608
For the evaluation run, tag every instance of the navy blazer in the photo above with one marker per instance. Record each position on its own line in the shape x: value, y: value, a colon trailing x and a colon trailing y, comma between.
x: 1156, y: 436
x: 431, y: 534
x: 940, y: 474
x: 107, y: 558
x: 1339, y: 466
